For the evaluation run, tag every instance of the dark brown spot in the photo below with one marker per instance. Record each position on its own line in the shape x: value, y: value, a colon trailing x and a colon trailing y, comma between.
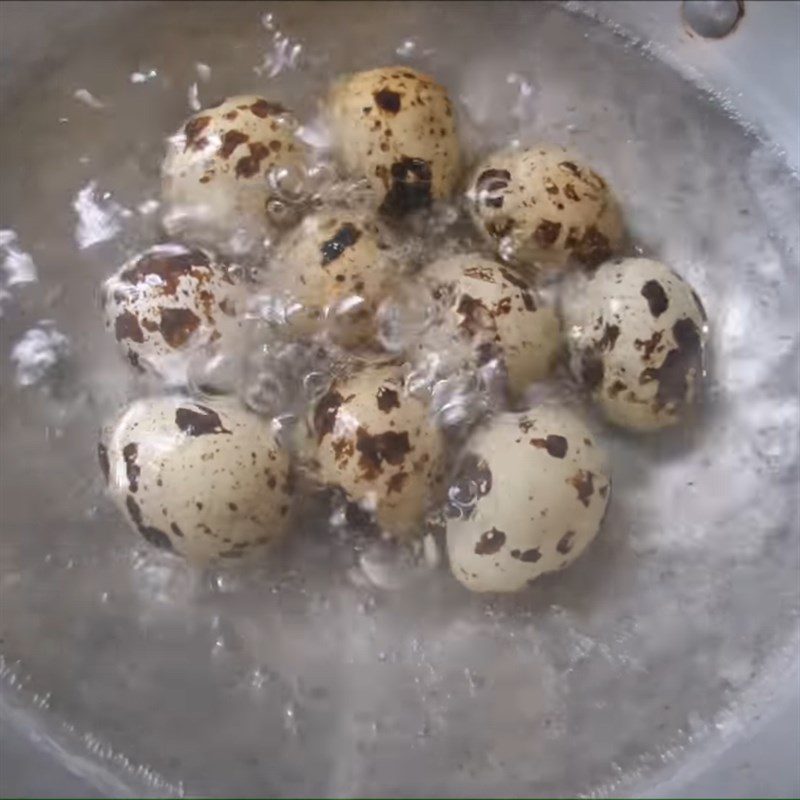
x: 410, y: 187
x: 275, y: 146
x: 153, y: 535
x: 102, y: 457
x: 176, y: 530
x: 199, y: 421
x: 345, y: 237
x: 485, y: 274
x: 648, y: 345
x: 556, y: 446
x: 570, y: 167
x: 498, y: 228
x: 616, y: 387
x: 375, y: 449
x: 126, y: 326
x: 550, y: 186
x: 570, y: 193
x: 233, y: 507
x: 488, y: 184
x: 546, y: 233
x: 608, y: 339
x: 343, y: 449
x: 591, y: 369
x: 247, y: 166
x: 134, y: 361
x: 230, y: 141
x: 169, y: 269
x: 132, y: 470
x: 673, y: 374
x: 325, y: 413
x: 524, y: 288
x: 593, y: 247
x: 491, y: 541
x: 192, y: 130
x: 231, y: 114
x: 263, y: 108
x: 149, y: 325
x: 564, y: 544
x: 475, y: 317
x: 583, y: 482
x: 387, y: 100
x: 528, y: 556
x: 177, y: 325
x: 387, y: 399
x: 227, y: 307
x: 603, y: 491
x: 656, y: 298
x: 396, y: 482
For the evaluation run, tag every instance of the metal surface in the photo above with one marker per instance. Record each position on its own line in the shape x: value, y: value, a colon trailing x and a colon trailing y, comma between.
x: 633, y: 672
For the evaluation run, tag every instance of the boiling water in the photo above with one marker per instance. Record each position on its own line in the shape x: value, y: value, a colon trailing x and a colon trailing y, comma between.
x: 302, y: 677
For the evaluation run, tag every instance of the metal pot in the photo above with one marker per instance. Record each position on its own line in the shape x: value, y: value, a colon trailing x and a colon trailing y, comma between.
x: 633, y: 672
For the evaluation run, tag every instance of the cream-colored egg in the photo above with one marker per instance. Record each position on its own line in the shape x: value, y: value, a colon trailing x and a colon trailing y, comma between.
x: 336, y: 269
x: 395, y: 127
x: 499, y: 313
x: 636, y: 335
x: 530, y: 495
x: 541, y: 207
x: 171, y: 302
x: 376, y: 443
x: 218, y: 173
x: 208, y: 481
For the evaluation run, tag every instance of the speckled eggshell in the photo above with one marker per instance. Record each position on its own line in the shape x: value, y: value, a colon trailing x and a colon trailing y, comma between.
x: 395, y: 126
x: 542, y: 207
x: 170, y: 301
x: 336, y: 267
x: 377, y: 444
x: 207, y: 482
x: 499, y: 312
x: 636, y: 334
x: 216, y: 166
x: 540, y: 486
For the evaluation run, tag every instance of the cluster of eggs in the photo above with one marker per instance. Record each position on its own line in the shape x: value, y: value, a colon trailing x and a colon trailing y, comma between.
x: 210, y: 480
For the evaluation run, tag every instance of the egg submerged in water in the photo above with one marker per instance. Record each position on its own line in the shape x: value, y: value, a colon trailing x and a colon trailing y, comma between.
x: 499, y: 312
x: 542, y: 207
x: 336, y: 268
x: 374, y: 441
x: 172, y: 301
x: 636, y: 334
x: 529, y: 497
x: 221, y: 174
x: 207, y: 481
x: 395, y: 127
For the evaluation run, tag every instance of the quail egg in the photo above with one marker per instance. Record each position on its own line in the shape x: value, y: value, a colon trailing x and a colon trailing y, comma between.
x: 336, y: 269
x: 376, y: 443
x: 499, y: 312
x: 207, y: 482
x: 171, y: 301
x: 541, y: 207
x: 636, y: 335
x: 395, y: 127
x: 530, y: 496
x: 229, y: 168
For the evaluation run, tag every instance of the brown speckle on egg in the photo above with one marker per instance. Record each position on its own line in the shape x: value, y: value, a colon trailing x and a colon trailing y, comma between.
x: 583, y: 482
x: 199, y: 421
x: 555, y: 445
x: 491, y: 542
x: 656, y: 297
